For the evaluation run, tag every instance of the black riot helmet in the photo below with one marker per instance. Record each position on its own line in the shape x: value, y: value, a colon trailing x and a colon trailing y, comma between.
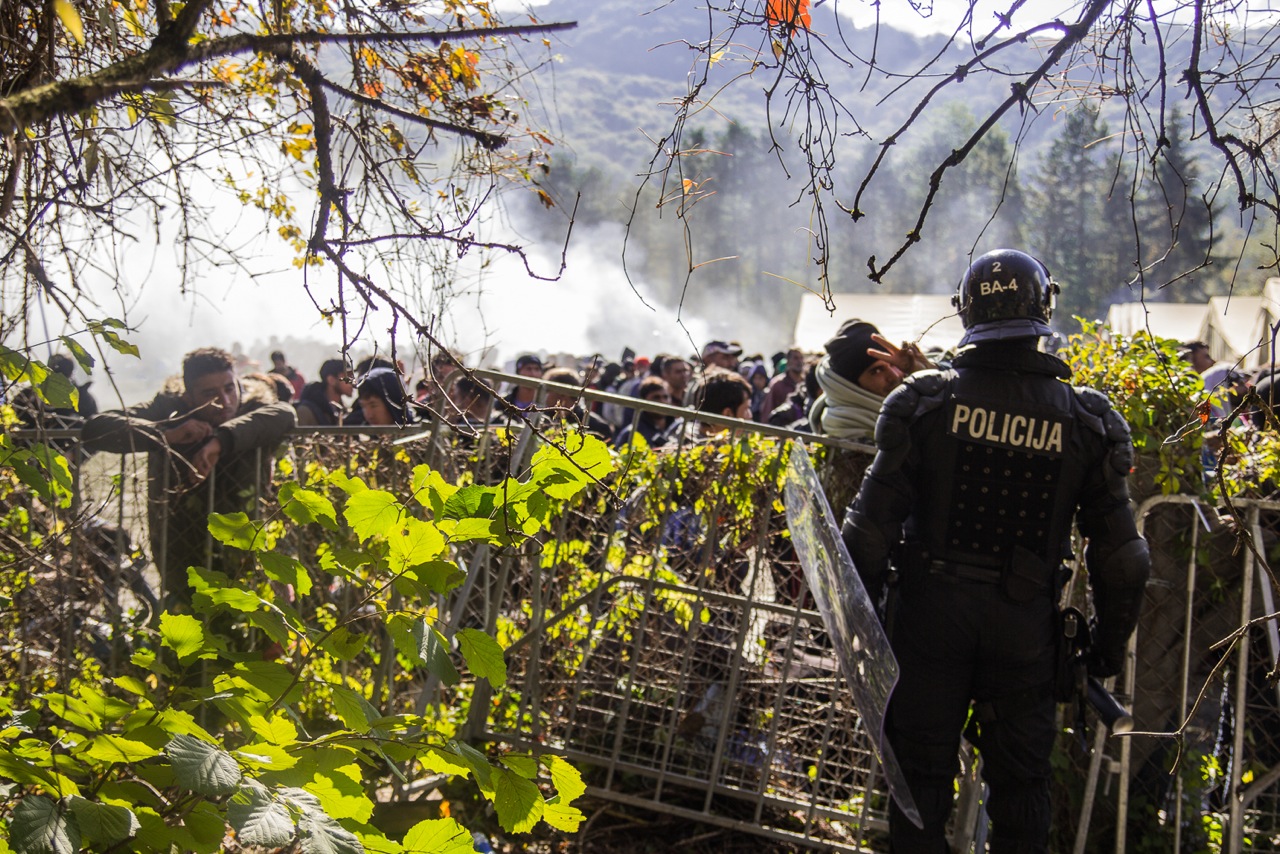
x: 1005, y: 294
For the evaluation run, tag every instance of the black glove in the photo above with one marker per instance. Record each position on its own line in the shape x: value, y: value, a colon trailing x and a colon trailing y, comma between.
x: 1106, y: 652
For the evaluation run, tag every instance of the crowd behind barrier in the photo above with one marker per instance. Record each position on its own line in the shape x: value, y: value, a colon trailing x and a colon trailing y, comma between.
x: 679, y: 660
x: 667, y: 644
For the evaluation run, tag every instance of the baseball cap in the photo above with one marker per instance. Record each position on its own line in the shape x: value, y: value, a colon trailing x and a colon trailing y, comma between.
x: 714, y: 347
x: 526, y: 360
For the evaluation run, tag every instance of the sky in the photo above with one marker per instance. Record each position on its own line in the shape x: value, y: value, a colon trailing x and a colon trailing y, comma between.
x: 592, y: 307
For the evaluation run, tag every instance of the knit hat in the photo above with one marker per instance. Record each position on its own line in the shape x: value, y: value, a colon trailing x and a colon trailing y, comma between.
x: 848, y: 349
x: 385, y: 383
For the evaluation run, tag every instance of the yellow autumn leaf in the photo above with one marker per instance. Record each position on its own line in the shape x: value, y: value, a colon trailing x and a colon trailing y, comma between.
x: 70, y: 19
x: 689, y: 185
x: 717, y: 56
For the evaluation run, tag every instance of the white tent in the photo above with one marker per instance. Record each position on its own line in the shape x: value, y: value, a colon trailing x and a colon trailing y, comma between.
x: 928, y: 319
x: 1268, y: 320
x: 1181, y: 321
x: 1230, y: 328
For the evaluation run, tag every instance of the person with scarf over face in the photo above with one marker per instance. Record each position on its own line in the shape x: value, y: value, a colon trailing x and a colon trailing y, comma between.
x: 859, y: 370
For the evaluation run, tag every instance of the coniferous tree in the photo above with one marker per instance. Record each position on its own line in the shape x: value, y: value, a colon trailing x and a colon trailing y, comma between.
x: 1178, y: 222
x: 1069, y: 202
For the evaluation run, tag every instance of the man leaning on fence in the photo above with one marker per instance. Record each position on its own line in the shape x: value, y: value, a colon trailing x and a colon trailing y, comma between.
x: 978, y: 474
x: 208, y: 450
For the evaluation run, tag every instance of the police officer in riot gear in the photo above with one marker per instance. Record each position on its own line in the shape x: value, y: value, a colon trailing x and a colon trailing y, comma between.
x: 979, y: 472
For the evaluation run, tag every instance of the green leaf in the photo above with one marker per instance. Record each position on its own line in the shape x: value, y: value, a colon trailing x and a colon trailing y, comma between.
x: 349, y: 485
x: 237, y: 530
x: 431, y: 490
x: 473, y: 529
x: 286, y: 570
x: 203, y: 768
x: 73, y: 710
x: 320, y: 834
x: 305, y: 506
x: 439, y: 836
x: 60, y: 392
x: 372, y: 513
x: 37, y: 826
x: 79, y: 353
x: 483, y: 656
x: 114, y: 341
x: 341, y: 797
x: 23, y: 771
x: 471, y: 502
x: 266, y: 757
x: 562, y: 478
x: 424, y: 646
x: 523, y: 764
x: 104, y: 824
x: 132, y: 684
x: 114, y: 748
x: 183, y: 634
x: 439, y: 761
x: 517, y: 800
x: 412, y: 543
x: 440, y: 576
x: 356, y: 712
x: 477, y: 763
x: 276, y: 730
x: 206, y: 826
x: 343, y: 644
x: 565, y: 778
x: 562, y: 816
x: 259, y: 819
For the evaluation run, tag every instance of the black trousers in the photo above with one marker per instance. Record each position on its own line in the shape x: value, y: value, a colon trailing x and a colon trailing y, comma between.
x: 959, y: 642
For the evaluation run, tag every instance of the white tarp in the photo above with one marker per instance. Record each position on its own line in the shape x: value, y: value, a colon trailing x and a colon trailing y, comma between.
x: 1230, y: 326
x: 1181, y: 321
x: 928, y: 319
x: 1268, y: 319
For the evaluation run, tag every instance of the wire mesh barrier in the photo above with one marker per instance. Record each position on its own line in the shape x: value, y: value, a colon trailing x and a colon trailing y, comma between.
x: 660, y: 634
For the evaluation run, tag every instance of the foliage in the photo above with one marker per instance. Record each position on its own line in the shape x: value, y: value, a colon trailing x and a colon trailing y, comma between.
x: 368, y: 138
x: 1016, y: 72
x: 1159, y: 395
x: 256, y: 713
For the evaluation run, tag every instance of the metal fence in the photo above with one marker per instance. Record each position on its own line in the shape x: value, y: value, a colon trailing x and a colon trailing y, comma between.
x: 662, y: 638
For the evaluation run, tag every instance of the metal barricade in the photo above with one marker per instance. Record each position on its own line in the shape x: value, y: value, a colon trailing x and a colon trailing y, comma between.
x: 665, y: 642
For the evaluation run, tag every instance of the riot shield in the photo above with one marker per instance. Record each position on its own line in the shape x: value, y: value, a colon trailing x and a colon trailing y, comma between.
x: 862, y: 647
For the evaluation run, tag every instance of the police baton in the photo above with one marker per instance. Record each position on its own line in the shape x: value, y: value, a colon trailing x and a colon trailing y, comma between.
x: 1114, y: 716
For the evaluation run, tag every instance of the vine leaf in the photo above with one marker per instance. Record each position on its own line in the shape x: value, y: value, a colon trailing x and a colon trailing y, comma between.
x: 104, y: 824
x: 258, y: 818
x: 236, y: 530
x: 305, y: 506
x: 39, y: 827
x: 565, y: 778
x: 483, y: 656
x: 413, y: 543
x: 372, y: 513
x: 424, y: 646
x: 203, y: 768
x: 438, y: 836
x: 517, y: 800
x: 320, y: 834
x: 286, y: 570
x: 114, y: 748
x: 183, y: 634
x: 561, y: 816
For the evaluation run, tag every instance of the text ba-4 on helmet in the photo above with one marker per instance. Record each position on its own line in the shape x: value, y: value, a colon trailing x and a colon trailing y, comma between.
x: 1006, y: 291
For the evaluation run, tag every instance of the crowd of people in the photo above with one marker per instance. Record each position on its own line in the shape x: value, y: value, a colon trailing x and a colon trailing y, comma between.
x: 837, y: 391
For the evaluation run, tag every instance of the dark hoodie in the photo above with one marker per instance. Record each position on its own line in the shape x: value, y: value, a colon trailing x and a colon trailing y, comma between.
x: 315, y: 408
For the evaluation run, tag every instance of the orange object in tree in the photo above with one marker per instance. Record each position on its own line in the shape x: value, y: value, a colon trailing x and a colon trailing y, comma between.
x: 793, y: 13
